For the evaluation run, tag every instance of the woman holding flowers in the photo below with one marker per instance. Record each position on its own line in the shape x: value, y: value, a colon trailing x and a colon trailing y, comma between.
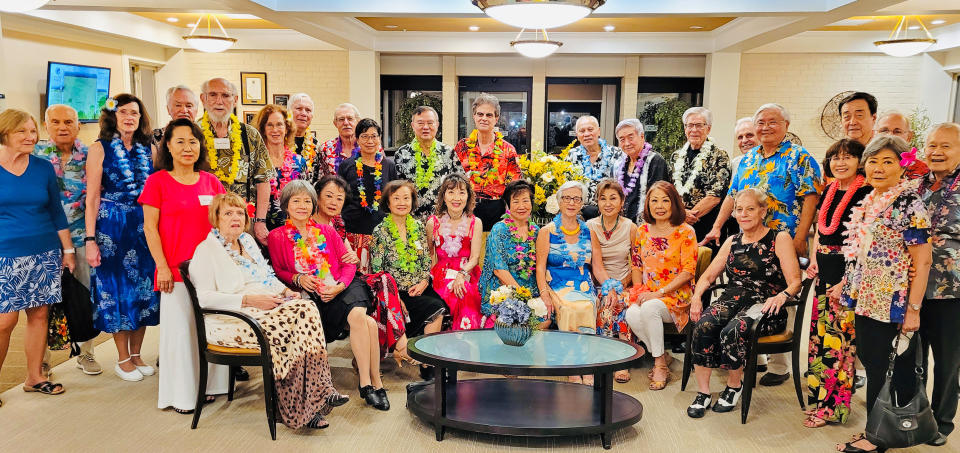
x: 277, y: 131
x: 456, y: 241
x: 511, y: 257
x: 366, y: 174
x: 308, y: 256
x: 489, y: 161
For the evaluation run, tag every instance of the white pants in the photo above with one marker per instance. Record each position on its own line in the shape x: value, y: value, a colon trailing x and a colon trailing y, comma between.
x: 646, y: 321
x: 180, y: 372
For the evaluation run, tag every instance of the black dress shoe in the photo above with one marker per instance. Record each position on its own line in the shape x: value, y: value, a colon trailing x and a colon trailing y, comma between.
x: 728, y: 399
x: 369, y: 394
x: 384, y: 402
x: 699, y: 406
x: 241, y: 375
x: 414, y: 386
x: 761, y: 368
x: 859, y: 382
x: 938, y: 441
x: 772, y: 380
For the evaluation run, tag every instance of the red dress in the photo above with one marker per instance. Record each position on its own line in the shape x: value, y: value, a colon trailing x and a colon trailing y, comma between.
x: 464, y: 311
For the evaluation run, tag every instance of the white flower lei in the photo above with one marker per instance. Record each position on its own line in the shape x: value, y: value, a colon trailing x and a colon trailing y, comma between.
x: 684, y: 186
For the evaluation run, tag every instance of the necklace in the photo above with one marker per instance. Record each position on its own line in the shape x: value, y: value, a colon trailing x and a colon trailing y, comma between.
x: 311, y: 256
x: 337, y: 158
x: 133, y: 177
x: 236, y: 145
x: 407, y: 251
x: 633, y: 173
x: 570, y: 232
x: 606, y: 233
x: 475, y: 162
x: 424, y: 176
x: 838, y: 212
x: 525, y: 249
x: 289, y: 170
x: 573, y: 259
x: 448, y: 239
x: 859, y: 233
x: 377, y: 182
x: 685, y: 185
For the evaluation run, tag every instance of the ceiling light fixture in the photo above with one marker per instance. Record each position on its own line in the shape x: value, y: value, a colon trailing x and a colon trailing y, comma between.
x: 172, y: 19
x: 696, y: 27
x: 937, y: 22
x: 899, y: 45
x: 209, y: 42
x: 21, y: 6
x: 473, y: 28
x: 390, y: 26
x: 538, y: 14
x: 609, y: 28
x: 535, y: 48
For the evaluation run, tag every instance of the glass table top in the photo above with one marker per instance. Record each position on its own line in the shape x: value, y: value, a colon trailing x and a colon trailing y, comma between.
x: 544, y: 349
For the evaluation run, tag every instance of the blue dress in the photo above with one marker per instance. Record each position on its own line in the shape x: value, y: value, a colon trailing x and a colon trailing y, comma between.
x: 569, y: 277
x: 122, y: 287
x: 501, y: 254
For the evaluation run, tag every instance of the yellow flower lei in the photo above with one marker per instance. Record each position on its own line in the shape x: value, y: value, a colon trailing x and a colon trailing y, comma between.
x: 309, y: 151
x: 236, y: 145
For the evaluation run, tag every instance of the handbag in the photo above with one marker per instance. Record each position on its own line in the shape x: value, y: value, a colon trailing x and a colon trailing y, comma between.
x: 892, y: 426
x: 79, y: 309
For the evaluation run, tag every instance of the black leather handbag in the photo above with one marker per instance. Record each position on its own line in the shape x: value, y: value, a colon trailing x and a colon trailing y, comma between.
x: 892, y: 426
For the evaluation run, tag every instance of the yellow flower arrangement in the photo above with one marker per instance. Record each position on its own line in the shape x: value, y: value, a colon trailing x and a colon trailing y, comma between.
x: 547, y: 173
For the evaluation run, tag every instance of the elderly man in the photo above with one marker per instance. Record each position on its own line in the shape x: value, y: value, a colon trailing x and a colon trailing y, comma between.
x: 640, y: 167
x: 345, y: 145
x: 858, y: 112
x: 69, y: 156
x: 745, y: 134
x: 426, y: 161
x: 182, y: 102
x: 242, y: 163
x: 701, y: 170
x: 595, y: 157
x: 301, y: 108
x: 894, y: 123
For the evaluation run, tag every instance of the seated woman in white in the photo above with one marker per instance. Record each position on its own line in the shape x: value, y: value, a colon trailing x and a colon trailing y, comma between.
x: 230, y: 274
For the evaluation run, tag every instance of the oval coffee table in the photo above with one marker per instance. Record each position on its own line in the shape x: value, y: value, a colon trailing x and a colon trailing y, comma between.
x: 524, y: 407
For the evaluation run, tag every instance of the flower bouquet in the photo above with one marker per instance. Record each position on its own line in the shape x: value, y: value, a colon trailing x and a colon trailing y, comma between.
x: 547, y: 173
x: 518, y: 314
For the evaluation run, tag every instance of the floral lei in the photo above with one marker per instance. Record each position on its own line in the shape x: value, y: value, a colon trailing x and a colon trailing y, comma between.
x: 241, y: 261
x: 377, y: 182
x: 641, y: 161
x: 831, y: 228
x: 474, y: 161
x: 311, y: 256
x: 407, y: 251
x: 862, y: 216
x: 448, y: 239
x: 684, y: 185
x: 337, y: 157
x: 424, y: 176
x: 236, y: 146
x: 309, y: 151
x: 133, y: 179
x: 526, y: 249
x: 288, y: 172
x: 591, y: 170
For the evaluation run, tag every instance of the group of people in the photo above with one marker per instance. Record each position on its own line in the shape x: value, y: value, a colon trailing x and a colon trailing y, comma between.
x: 322, y: 241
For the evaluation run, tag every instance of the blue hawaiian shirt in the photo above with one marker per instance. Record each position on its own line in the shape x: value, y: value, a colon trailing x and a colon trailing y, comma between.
x: 607, y: 163
x: 73, y: 184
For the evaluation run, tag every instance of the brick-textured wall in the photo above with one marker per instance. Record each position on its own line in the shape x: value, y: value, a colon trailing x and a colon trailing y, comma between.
x: 803, y: 83
x: 323, y: 75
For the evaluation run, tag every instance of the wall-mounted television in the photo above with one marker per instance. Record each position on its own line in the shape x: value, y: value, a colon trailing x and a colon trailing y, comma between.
x: 82, y: 87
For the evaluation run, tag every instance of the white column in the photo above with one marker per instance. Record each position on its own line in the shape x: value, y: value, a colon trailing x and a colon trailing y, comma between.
x: 720, y: 92
x: 364, y: 70
x: 538, y: 105
x: 629, y: 87
x: 451, y: 111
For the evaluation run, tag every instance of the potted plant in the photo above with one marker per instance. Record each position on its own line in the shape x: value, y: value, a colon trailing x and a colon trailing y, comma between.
x: 519, y: 314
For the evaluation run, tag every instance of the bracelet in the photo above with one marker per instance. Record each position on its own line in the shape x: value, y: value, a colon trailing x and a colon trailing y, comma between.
x: 69, y: 250
x: 611, y: 284
x: 790, y: 297
x: 90, y: 239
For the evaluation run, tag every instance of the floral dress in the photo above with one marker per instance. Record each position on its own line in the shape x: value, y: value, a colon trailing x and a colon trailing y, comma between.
x: 568, y: 275
x: 505, y: 251
x: 453, y: 252
x: 662, y: 259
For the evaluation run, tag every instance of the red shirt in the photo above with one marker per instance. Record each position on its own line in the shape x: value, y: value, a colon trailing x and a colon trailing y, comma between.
x: 480, y: 166
x: 183, y: 214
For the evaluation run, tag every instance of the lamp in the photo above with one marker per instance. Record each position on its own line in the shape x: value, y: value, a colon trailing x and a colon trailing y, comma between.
x: 536, y: 14
x: 21, y: 6
x: 898, y: 45
x: 209, y: 42
x: 535, y: 48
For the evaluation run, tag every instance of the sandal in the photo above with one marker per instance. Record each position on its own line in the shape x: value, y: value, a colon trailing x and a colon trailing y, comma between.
x: 318, y: 422
x: 622, y: 376
x: 848, y: 447
x: 208, y: 400
x: 45, y: 387
x: 813, y: 421
x: 659, y: 385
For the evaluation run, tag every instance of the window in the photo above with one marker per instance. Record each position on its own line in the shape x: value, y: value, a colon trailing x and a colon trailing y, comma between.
x: 400, y: 96
x: 570, y: 98
x: 514, y: 95
x: 653, y: 92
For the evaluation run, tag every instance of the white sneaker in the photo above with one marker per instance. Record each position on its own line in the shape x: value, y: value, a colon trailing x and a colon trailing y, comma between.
x: 132, y: 376
x: 145, y: 370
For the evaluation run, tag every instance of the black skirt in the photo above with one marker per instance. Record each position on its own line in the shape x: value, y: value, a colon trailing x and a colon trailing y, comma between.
x: 423, y: 310
x: 334, y: 314
x: 489, y: 212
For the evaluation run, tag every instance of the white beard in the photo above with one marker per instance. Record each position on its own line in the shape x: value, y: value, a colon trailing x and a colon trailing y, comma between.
x: 214, y: 118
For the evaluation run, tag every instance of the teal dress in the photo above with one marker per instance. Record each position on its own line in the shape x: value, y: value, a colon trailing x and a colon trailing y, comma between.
x: 501, y: 255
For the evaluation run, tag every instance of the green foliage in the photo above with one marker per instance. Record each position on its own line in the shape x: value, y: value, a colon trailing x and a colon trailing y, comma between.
x: 670, y: 136
x: 920, y: 124
x: 405, y: 112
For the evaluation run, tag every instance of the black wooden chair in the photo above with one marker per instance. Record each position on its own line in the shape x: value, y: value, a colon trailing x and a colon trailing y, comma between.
x: 233, y: 357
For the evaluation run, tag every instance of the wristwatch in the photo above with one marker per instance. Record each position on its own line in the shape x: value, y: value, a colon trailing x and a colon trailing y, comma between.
x: 915, y: 307
x: 661, y: 292
x: 259, y: 219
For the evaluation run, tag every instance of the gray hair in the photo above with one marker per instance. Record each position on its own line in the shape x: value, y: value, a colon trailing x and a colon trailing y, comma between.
x: 299, y: 97
x: 425, y: 108
x: 485, y: 98
x: 759, y: 196
x: 702, y: 111
x: 346, y: 105
x: 205, y: 87
x: 742, y: 121
x: 629, y: 122
x: 586, y: 118
x: 884, y: 142
x: 573, y: 185
x: 298, y: 187
x: 772, y: 106
x: 949, y: 126
x: 72, y: 110
x: 172, y: 90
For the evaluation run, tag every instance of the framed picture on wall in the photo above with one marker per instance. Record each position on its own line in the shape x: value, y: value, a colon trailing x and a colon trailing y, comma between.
x: 248, y: 116
x: 253, y: 88
x: 281, y: 99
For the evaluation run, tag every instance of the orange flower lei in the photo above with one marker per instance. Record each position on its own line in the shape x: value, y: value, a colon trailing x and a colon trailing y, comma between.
x: 474, y: 161
x: 377, y: 182
x: 309, y: 151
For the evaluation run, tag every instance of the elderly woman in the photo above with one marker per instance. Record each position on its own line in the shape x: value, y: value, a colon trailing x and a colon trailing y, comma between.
x: 399, y: 248
x: 701, y: 170
x: 511, y: 256
x: 664, y: 257
x: 35, y: 243
x: 277, y: 130
x: 639, y: 169
x: 489, y: 161
x: 308, y: 256
x: 614, y: 234
x: 595, y: 158
x: 367, y: 175
x: 940, y: 318
x: 175, y: 220
x: 888, y: 232
x: 763, y: 273
x: 122, y: 286
x: 230, y: 274
x: 832, y: 351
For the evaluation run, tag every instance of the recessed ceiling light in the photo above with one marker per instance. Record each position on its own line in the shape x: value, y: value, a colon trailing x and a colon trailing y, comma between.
x: 241, y: 16
x: 473, y: 28
x: 389, y: 26
x: 850, y: 22
x: 192, y: 24
x: 172, y: 19
x: 608, y: 28
x: 696, y: 27
x: 914, y: 27
x: 938, y: 21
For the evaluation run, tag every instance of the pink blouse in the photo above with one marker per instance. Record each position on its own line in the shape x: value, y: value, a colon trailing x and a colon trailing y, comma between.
x: 284, y: 264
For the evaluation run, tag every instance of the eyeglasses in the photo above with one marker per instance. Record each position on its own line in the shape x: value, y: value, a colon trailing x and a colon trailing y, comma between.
x: 568, y: 199
x: 427, y: 123
x: 695, y: 125
x: 344, y: 119
x: 368, y: 137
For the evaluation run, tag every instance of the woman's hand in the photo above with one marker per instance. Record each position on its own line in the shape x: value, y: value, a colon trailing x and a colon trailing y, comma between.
x: 696, y: 308
x: 835, y: 292
x: 70, y: 261
x: 459, y: 285
x: 911, y: 321
x: 261, y: 301
x: 551, y: 300
x: 328, y: 292
x: 813, y: 269
x: 309, y: 283
x: 93, y: 254
x: 649, y: 295
x: 164, y: 280
x: 773, y: 304
x: 350, y: 258
x: 418, y: 289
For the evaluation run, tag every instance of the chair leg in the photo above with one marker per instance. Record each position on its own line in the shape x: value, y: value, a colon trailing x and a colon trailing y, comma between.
x: 687, y: 360
x: 201, y: 393
x: 796, y: 377
x: 748, y: 382
x: 269, y: 390
x: 232, y: 382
